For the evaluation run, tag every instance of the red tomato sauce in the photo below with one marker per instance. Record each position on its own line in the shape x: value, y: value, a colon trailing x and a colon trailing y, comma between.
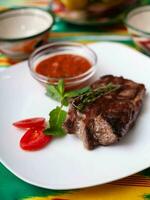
x: 63, y: 66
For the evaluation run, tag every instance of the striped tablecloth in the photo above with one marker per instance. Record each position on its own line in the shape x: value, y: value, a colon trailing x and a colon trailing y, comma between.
x: 135, y: 187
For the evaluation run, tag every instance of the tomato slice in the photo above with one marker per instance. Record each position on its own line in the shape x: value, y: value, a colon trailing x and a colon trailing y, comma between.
x: 30, y: 123
x: 34, y: 139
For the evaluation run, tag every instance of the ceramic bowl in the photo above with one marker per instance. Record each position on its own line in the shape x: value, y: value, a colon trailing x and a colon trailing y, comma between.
x: 138, y: 25
x: 22, y: 30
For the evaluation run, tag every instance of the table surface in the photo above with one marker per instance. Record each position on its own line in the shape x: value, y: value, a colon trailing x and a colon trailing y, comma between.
x: 135, y: 187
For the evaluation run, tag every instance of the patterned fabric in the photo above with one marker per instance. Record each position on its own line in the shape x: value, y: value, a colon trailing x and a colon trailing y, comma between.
x: 135, y: 187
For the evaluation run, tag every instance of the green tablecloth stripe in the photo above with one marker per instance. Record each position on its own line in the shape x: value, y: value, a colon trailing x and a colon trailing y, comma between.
x: 18, y: 189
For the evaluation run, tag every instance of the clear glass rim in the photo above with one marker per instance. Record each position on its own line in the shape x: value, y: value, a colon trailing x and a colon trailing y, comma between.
x: 134, y: 12
x: 70, y: 80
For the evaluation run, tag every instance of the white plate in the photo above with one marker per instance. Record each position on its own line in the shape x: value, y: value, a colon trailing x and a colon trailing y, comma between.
x: 65, y: 163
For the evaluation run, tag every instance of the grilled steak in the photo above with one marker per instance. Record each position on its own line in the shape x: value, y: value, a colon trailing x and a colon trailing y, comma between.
x: 109, y: 117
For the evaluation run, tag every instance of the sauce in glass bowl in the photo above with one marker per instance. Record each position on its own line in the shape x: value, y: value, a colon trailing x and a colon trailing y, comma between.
x: 75, y: 63
x: 63, y: 66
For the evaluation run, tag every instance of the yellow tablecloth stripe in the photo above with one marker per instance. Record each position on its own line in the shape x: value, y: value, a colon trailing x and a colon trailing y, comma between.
x: 103, y: 192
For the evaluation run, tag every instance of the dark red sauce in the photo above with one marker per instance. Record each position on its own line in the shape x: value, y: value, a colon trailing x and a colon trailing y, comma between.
x: 63, y: 66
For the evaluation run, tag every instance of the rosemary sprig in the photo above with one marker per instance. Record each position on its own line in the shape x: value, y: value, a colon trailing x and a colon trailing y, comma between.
x: 80, y: 102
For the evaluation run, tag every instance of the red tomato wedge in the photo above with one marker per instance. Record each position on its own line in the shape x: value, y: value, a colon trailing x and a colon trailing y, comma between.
x: 34, y: 139
x: 36, y: 122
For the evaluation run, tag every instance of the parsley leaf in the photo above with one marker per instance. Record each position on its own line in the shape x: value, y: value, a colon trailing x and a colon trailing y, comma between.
x: 56, y: 92
x: 54, y: 132
x: 60, y: 87
x: 57, y: 118
x: 53, y: 92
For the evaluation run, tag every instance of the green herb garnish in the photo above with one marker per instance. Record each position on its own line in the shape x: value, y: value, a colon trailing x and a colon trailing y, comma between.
x: 80, y: 102
x: 59, y: 94
x: 57, y: 118
x: 58, y: 115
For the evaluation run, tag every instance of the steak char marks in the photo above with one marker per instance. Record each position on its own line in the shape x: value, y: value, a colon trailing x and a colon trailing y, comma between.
x: 108, y: 118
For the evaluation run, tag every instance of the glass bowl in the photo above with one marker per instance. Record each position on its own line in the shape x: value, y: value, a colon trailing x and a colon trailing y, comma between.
x: 51, y: 49
x: 138, y: 25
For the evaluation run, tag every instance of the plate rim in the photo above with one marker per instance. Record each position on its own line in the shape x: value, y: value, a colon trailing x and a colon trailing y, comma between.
x: 75, y: 187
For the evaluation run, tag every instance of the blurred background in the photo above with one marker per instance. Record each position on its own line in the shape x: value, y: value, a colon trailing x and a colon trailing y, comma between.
x: 75, y: 20
x: 96, y: 13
